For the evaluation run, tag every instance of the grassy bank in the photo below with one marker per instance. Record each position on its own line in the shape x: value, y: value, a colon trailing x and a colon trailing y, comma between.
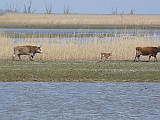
x: 83, y: 21
x: 79, y: 71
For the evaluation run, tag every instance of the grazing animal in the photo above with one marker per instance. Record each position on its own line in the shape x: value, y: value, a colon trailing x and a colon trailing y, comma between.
x: 26, y: 50
x: 105, y: 55
x: 151, y: 51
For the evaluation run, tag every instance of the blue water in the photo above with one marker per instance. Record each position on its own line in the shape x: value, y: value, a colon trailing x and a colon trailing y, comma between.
x: 150, y: 32
x: 118, y: 34
x: 79, y: 101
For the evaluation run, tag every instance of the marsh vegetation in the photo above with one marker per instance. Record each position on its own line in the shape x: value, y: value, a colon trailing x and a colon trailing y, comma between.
x: 80, y: 48
x: 84, y: 21
x: 76, y: 57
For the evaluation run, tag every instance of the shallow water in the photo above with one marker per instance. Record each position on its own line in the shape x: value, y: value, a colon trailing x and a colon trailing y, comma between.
x: 114, y: 34
x: 73, y: 100
x: 150, y: 32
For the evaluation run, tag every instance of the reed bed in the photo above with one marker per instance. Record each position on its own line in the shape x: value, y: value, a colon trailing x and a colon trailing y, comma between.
x: 6, y: 44
x: 78, y: 19
x: 82, y: 48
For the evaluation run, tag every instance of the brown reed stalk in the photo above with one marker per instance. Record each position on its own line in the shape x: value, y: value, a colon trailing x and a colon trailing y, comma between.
x: 78, y: 19
x: 122, y: 48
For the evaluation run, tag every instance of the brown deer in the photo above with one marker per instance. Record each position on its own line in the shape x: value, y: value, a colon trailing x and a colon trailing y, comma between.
x: 105, y: 55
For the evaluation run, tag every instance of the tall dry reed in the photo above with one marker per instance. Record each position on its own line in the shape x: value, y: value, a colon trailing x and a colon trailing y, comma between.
x: 122, y: 48
x: 78, y: 19
x: 5, y: 45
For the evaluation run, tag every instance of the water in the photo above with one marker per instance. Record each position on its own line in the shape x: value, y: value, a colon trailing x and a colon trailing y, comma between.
x: 150, y: 32
x: 116, y: 34
x: 79, y: 101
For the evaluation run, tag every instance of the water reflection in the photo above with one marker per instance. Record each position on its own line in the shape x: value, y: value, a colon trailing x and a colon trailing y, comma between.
x: 79, y: 101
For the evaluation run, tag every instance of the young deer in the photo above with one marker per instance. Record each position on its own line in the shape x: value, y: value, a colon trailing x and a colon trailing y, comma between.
x: 105, y: 55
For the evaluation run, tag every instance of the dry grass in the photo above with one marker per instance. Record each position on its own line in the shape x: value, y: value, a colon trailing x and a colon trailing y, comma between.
x: 56, y: 19
x: 6, y: 44
x: 122, y: 48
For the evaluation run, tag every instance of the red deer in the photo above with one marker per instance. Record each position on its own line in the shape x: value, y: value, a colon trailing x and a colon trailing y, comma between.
x: 26, y: 50
x: 151, y: 51
x: 105, y: 55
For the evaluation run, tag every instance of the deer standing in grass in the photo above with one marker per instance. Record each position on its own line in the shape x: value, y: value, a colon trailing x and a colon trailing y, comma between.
x: 105, y: 55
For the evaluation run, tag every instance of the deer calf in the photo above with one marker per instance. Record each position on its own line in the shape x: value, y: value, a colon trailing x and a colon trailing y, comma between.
x: 105, y: 55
